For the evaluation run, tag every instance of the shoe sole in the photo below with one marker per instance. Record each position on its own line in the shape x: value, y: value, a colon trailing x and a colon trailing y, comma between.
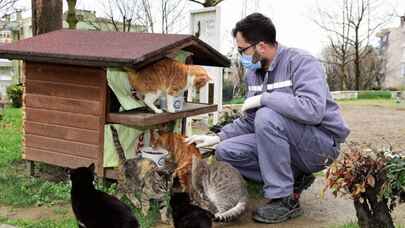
x: 292, y: 214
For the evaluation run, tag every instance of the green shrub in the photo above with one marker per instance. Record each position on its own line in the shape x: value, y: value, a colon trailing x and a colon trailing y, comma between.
x: 238, y: 100
x: 371, y: 94
x: 14, y: 92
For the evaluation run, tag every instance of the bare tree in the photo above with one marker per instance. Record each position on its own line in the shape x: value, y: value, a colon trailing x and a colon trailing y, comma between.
x: 207, y: 3
x: 42, y: 11
x: 167, y: 14
x: 350, y: 27
x: 335, y: 70
x: 171, y: 11
x: 125, y: 14
x: 371, y: 68
x: 121, y: 13
x: 337, y: 53
x: 6, y: 6
x: 145, y: 15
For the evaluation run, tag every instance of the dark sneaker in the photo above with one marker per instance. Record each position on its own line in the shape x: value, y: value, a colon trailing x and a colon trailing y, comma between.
x: 278, y: 210
x: 301, y: 183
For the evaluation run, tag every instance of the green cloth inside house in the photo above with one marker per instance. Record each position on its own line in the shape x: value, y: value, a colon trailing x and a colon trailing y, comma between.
x: 129, y: 140
x: 118, y: 82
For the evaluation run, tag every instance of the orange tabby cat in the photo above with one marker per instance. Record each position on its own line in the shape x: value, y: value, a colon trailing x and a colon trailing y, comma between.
x: 180, y: 152
x: 166, y: 77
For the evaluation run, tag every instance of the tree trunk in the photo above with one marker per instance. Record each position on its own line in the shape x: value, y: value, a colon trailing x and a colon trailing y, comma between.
x: 373, y: 213
x: 362, y: 213
x: 46, y: 16
x: 357, y: 59
x: 343, y: 78
x: 210, y: 3
x: 71, y: 15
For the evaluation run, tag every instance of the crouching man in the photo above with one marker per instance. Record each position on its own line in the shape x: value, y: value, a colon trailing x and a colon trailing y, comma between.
x: 291, y: 127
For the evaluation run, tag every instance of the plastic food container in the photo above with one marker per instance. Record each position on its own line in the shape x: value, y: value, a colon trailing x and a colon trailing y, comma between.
x: 157, y: 155
x: 177, y: 104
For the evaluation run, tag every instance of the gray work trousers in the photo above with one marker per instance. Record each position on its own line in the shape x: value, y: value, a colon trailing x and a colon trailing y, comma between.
x: 278, y: 150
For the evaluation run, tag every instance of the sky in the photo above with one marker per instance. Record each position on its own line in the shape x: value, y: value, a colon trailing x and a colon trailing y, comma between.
x: 293, y: 18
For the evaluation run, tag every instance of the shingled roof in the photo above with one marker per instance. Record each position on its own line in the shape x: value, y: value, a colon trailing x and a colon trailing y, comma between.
x: 109, y: 49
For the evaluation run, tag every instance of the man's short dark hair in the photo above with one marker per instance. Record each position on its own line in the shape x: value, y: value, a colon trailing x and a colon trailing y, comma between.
x: 255, y: 28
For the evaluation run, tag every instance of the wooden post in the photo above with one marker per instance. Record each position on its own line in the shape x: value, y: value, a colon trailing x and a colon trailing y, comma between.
x: 31, y: 168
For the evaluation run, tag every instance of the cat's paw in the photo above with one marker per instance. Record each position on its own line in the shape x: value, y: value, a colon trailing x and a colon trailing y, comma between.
x: 158, y: 111
x: 166, y: 220
x: 171, y: 110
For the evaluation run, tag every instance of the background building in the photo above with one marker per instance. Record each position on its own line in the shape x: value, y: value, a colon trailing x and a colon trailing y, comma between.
x: 392, y: 50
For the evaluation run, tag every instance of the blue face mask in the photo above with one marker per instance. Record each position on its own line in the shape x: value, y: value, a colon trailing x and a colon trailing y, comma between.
x: 246, y: 61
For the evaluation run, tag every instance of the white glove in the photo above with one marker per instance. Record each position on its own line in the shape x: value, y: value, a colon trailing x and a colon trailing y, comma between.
x: 203, y: 140
x: 251, y: 102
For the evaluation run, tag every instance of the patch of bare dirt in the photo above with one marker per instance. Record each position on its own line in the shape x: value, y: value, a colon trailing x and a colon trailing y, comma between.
x: 377, y: 125
x: 318, y: 213
x: 35, y: 213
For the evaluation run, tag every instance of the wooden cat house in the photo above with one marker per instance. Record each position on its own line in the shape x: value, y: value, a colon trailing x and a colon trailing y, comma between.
x: 67, y: 100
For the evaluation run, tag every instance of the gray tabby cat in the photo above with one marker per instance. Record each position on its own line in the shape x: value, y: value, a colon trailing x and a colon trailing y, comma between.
x: 141, y: 180
x: 218, y: 188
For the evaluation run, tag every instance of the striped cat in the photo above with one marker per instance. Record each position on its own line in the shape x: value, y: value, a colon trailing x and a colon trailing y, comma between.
x: 141, y: 180
x: 166, y: 77
x: 218, y: 188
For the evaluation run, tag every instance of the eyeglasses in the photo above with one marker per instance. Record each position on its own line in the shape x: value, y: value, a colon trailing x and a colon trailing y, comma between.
x: 242, y: 50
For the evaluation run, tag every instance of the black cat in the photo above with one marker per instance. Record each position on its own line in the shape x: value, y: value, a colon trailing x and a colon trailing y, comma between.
x: 186, y: 215
x: 94, y: 208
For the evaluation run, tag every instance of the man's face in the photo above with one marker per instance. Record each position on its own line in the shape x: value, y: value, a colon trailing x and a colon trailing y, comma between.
x: 248, y: 48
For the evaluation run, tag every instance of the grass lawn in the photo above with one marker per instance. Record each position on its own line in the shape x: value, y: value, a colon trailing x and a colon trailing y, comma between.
x: 63, y: 223
x: 381, y: 102
x: 18, y: 190
x: 388, y: 103
x: 239, y: 100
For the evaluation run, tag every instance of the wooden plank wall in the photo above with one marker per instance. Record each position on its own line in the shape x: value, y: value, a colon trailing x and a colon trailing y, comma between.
x: 64, y: 115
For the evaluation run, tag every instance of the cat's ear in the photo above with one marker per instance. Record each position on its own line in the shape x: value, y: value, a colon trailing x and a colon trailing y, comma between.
x: 68, y: 171
x: 154, y: 137
x: 92, y: 167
